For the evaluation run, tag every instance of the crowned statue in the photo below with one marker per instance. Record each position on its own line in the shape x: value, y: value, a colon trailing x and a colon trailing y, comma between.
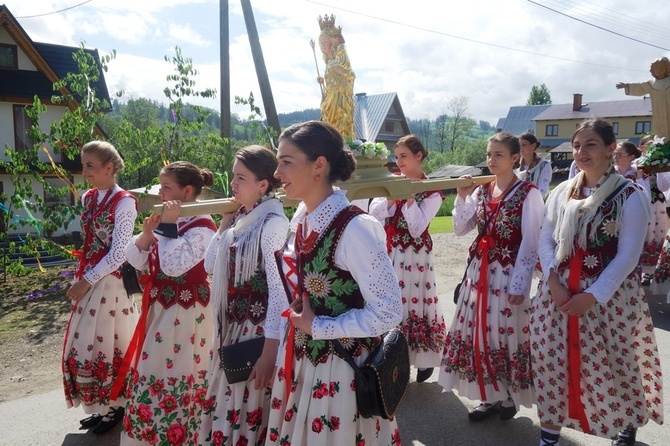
x: 337, y: 84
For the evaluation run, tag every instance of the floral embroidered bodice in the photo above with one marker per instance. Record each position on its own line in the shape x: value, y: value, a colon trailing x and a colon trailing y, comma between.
x: 397, y: 229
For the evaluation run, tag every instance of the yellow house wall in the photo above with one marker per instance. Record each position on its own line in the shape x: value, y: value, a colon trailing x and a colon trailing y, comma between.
x: 566, y: 127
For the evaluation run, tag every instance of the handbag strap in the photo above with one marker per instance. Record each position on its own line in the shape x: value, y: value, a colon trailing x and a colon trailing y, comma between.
x: 344, y: 354
x: 486, y: 224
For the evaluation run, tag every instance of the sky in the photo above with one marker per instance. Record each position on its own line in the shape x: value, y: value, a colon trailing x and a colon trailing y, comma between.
x: 427, y: 51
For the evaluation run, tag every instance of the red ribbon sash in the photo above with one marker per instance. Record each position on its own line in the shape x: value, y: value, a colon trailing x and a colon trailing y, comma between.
x: 137, y: 341
x: 481, y: 322
x: 575, y: 406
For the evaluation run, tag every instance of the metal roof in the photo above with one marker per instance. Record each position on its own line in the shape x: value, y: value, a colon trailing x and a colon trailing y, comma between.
x: 519, y: 119
x: 605, y: 109
x: 370, y: 112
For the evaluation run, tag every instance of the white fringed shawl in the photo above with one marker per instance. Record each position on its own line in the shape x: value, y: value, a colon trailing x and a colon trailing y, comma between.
x: 245, y: 235
x: 570, y: 216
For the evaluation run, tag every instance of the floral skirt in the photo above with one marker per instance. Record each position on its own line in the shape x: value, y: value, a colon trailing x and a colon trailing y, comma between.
x: 237, y: 413
x: 169, y: 386
x: 620, y: 371
x: 497, y: 364
x: 97, y: 336
x: 656, y: 232
x: 423, y: 321
x: 320, y: 408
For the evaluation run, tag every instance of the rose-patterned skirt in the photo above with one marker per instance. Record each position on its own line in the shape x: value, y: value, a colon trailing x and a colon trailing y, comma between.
x: 321, y: 407
x: 423, y: 322
x: 661, y: 281
x: 653, y: 242
x: 97, y: 336
x: 620, y: 371
x: 237, y: 413
x: 170, y: 383
x: 500, y: 365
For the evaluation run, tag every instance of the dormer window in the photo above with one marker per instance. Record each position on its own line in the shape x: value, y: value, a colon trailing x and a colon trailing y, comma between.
x: 8, y: 57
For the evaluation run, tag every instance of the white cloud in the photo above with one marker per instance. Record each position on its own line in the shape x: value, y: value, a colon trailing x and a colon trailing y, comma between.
x: 426, y: 50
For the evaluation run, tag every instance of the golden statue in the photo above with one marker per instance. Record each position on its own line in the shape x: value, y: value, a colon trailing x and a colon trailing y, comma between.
x: 337, y: 104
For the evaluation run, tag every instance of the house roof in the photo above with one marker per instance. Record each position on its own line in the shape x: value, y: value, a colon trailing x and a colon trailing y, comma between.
x: 53, y: 62
x: 519, y: 119
x: 455, y: 171
x: 370, y: 112
x: 604, y: 109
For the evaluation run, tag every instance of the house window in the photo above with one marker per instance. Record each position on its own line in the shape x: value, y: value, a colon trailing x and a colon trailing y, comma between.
x: 642, y: 127
x: 56, y: 194
x: 615, y: 126
x: 8, y: 57
x: 552, y: 130
x: 22, y: 124
x: 389, y: 127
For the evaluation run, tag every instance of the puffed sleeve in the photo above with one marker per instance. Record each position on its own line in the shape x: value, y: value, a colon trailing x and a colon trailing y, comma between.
x: 379, y: 209
x: 272, y: 240
x: 629, y: 248
x: 465, y: 213
x: 531, y: 221
x: 418, y: 215
x: 362, y: 251
x: 663, y: 181
x: 124, y: 224
x: 178, y: 255
x: 545, y: 178
x: 139, y: 259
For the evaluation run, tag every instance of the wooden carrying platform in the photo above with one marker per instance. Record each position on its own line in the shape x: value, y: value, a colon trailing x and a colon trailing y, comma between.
x: 393, y: 186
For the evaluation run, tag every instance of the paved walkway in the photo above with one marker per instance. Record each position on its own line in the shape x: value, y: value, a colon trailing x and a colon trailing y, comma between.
x: 428, y: 416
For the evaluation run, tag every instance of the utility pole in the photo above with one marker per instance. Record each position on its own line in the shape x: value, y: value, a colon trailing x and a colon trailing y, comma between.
x: 261, y: 72
x: 224, y: 43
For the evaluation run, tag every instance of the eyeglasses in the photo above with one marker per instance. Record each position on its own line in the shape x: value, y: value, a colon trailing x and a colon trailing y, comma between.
x: 619, y: 155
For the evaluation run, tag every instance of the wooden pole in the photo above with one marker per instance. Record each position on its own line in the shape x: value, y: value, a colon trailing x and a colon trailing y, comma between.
x: 224, y: 90
x: 261, y: 71
x: 399, y: 188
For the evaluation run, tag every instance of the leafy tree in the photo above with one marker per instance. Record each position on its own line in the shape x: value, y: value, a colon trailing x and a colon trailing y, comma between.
x: 539, y: 95
x: 460, y: 125
x: 441, y: 131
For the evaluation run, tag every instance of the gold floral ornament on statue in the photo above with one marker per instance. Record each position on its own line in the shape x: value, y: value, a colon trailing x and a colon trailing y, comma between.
x: 657, y: 158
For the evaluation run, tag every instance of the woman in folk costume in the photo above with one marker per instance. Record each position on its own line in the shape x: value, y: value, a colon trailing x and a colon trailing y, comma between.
x: 336, y: 269
x: 595, y: 362
x: 411, y: 249
x: 248, y: 300
x: 487, y: 356
x: 103, y: 315
x: 172, y: 343
x: 532, y: 168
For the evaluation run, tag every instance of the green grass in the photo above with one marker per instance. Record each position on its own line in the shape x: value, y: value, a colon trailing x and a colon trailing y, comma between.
x: 440, y: 225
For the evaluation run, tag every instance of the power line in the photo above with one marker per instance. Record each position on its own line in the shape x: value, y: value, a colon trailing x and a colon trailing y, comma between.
x: 470, y: 40
x: 54, y: 12
x: 599, y: 27
x: 611, y: 17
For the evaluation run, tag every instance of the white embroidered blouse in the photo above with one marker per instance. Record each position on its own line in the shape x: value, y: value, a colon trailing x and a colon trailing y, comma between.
x: 124, y: 224
x: 176, y: 255
x: 362, y: 251
x: 465, y: 220
x: 272, y: 239
x: 417, y: 215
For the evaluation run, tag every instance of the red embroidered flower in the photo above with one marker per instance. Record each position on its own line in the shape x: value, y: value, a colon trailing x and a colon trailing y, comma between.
x: 156, y: 388
x: 144, y: 413
x: 168, y: 404
x: 334, y: 423
x: 255, y: 417
x: 317, y: 425
x: 148, y: 436
x: 289, y: 415
x: 176, y: 434
x: 217, y: 438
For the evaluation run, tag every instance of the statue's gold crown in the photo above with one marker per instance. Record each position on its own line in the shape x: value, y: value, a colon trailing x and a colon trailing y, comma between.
x: 327, y: 21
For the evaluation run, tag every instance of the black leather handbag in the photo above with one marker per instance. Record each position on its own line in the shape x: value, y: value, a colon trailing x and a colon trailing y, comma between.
x: 238, y: 360
x: 381, y: 381
x: 130, y: 281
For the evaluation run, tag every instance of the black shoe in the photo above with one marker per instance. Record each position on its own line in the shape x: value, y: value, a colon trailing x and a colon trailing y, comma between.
x: 91, y: 421
x: 507, y: 413
x: 646, y: 279
x: 481, y: 415
x: 424, y: 374
x: 626, y: 437
x: 109, y: 421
